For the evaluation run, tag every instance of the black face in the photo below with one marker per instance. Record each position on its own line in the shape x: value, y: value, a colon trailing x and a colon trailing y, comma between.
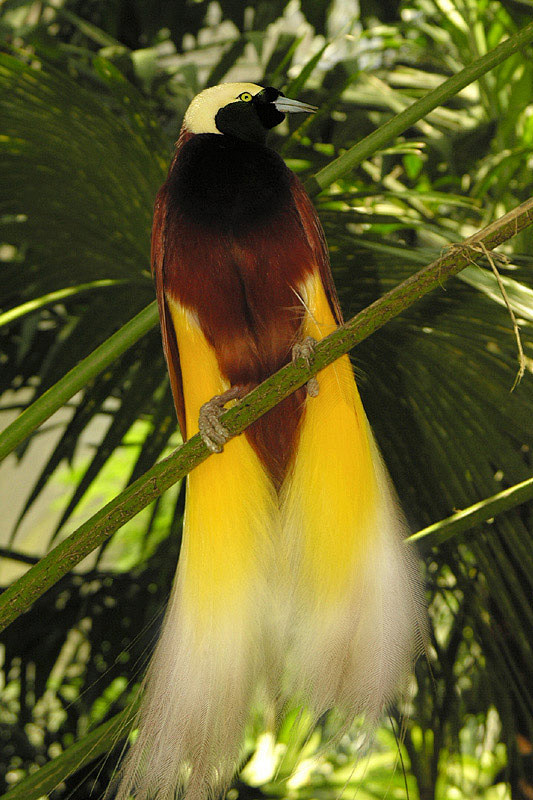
x: 250, y: 117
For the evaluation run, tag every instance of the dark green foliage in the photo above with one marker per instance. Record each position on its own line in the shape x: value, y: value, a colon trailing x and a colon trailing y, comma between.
x: 66, y: 678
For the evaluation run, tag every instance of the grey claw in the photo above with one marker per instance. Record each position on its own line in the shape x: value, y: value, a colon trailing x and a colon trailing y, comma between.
x: 214, y: 434
x: 312, y: 387
x: 305, y: 350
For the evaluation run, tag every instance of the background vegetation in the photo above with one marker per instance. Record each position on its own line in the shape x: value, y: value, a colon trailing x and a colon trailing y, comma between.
x: 91, y: 98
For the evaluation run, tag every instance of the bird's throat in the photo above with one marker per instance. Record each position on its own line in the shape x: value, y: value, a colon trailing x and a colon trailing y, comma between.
x: 228, y: 183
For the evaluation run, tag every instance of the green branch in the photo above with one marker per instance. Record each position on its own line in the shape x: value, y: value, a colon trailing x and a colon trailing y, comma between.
x: 474, y: 515
x: 399, y: 123
x: 55, y: 297
x: 20, y: 596
x: 104, y: 738
x: 98, y: 742
x: 62, y: 391
x: 67, y: 387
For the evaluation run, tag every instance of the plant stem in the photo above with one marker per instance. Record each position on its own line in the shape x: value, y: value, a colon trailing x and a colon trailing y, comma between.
x: 76, y: 379
x: 399, y: 123
x: 107, y: 735
x: 474, y: 515
x: 98, y: 742
x: 55, y: 297
x: 19, y: 597
x: 61, y: 392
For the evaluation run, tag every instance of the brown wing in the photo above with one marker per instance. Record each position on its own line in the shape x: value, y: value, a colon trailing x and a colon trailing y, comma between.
x: 317, y: 241
x: 170, y: 346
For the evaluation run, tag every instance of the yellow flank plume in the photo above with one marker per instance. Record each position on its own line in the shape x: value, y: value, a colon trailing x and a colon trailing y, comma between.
x: 230, y: 506
x: 309, y: 596
x: 330, y: 494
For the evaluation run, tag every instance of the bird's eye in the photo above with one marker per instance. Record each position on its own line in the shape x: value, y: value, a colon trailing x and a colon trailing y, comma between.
x: 245, y: 97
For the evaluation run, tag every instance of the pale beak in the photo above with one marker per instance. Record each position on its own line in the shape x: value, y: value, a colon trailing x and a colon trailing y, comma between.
x: 288, y: 106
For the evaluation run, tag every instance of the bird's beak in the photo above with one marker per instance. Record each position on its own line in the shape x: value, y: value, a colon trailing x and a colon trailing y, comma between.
x: 288, y: 106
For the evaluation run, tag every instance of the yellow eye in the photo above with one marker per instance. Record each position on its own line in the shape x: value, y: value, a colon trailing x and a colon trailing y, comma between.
x: 245, y: 97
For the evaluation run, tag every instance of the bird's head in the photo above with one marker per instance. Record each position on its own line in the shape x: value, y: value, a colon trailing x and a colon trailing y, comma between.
x: 243, y: 110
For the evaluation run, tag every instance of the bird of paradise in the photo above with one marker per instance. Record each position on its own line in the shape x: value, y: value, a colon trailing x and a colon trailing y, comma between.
x: 292, y: 579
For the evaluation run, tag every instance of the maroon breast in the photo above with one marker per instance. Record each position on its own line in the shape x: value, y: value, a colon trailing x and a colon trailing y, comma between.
x: 235, y: 251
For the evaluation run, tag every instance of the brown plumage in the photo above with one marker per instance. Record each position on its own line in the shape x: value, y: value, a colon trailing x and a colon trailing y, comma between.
x: 240, y: 281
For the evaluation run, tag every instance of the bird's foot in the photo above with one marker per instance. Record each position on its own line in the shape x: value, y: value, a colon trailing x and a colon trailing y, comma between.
x: 305, y: 349
x: 213, y: 433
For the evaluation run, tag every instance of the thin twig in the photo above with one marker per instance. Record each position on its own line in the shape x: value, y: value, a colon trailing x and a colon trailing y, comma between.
x: 480, y: 247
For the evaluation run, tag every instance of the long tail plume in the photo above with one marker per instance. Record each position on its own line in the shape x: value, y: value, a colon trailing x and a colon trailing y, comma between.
x: 213, y: 648
x: 307, y: 593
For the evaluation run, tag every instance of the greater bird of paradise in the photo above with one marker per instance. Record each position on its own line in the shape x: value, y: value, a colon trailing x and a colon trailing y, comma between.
x: 292, y: 579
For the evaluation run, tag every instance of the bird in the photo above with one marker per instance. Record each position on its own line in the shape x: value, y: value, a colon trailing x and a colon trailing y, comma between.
x: 293, y: 584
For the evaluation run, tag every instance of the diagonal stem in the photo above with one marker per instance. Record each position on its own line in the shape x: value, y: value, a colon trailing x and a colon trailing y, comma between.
x: 468, y: 518
x: 400, y: 122
x: 59, y: 394
x: 105, y: 737
x: 65, y: 388
x: 100, y: 741
x: 19, y: 597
